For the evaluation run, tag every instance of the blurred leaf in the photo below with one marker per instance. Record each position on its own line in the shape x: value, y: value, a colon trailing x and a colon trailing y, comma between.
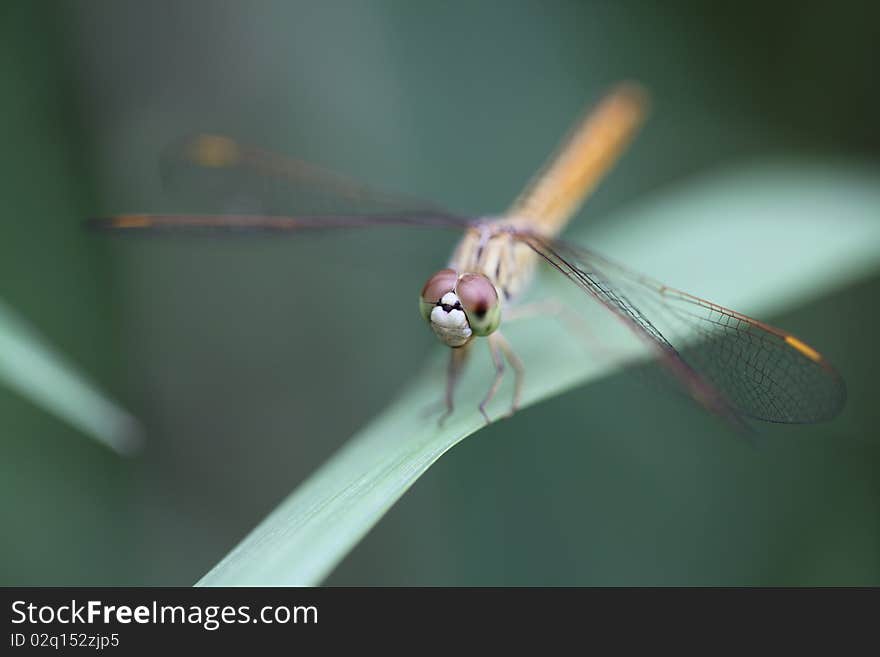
x: 759, y: 239
x: 34, y: 369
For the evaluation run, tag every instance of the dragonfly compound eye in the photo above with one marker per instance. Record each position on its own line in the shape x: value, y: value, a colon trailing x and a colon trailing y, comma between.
x: 439, y: 284
x: 480, y: 301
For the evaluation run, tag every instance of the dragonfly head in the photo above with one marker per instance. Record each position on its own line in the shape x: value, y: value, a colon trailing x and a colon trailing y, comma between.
x: 459, y: 307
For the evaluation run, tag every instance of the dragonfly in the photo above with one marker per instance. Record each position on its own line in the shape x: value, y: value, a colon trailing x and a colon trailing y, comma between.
x: 735, y: 366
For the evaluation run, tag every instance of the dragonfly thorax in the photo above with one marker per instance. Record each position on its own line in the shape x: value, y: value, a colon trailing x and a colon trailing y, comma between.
x: 459, y: 307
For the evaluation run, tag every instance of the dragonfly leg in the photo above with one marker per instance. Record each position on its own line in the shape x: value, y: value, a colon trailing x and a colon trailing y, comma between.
x: 519, y: 369
x: 457, y: 359
x: 498, y: 360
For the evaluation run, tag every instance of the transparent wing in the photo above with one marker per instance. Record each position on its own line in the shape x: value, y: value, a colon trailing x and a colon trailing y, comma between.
x: 246, y: 189
x: 218, y: 174
x: 242, y: 223
x: 732, y: 364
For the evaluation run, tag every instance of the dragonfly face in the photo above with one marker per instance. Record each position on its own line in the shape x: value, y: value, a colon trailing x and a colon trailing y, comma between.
x: 459, y: 307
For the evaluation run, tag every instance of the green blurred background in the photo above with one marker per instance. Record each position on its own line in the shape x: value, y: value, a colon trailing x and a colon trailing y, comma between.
x: 242, y: 359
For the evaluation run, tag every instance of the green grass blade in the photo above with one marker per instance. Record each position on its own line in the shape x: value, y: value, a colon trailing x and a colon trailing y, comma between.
x: 34, y: 369
x: 759, y: 240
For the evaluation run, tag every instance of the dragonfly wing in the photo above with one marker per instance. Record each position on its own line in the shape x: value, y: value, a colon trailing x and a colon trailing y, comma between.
x: 246, y: 189
x: 260, y: 223
x: 732, y: 364
x: 221, y: 175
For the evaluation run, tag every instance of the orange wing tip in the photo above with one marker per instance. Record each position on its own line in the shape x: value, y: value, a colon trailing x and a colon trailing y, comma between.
x: 803, y: 348
x: 214, y: 151
x: 128, y: 221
